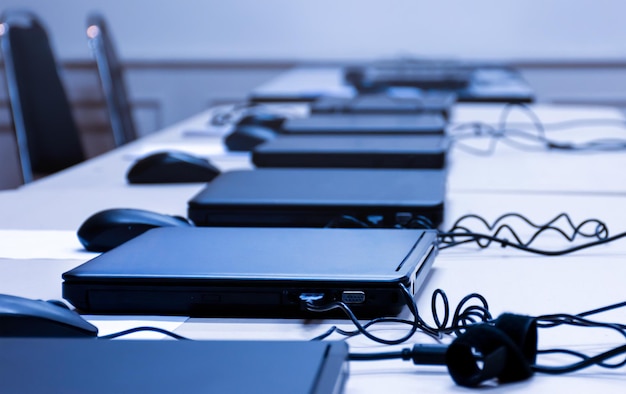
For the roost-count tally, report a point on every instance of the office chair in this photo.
(47, 136)
(112, 80)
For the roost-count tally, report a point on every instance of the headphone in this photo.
(504, 349)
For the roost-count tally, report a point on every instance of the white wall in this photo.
(343, 29)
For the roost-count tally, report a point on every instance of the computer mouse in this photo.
(244, 138)
(24, 317)
(269, 120)
(107, 229)
(171, 167)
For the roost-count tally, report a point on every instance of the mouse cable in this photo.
(225, 115)
(463, 316)
(141, 329)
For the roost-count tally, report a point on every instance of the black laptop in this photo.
(62, 365)
(471, 82)
(350, 151)
(420, 76)
(319, 197)
(360, 123)
(435, 102)
(245, 271)
(489, 83)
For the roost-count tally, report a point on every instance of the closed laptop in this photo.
(319, 197)
(359, 123)
(437, 102)
(53, 365)
(246, 271)
(350, 151)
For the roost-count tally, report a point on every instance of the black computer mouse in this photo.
(107, 229)
(244, 138)
(269, 120)
(171, 167)
(24, 317)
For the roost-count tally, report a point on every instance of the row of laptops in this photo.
(384, 169)
(273, 239)
(470, 81)
(369, 131)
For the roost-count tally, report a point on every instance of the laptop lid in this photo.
(53, 365)
(358, 123)
(380, 103)
(415, 75)
(246, 271)
(349, 151)
(315, 197)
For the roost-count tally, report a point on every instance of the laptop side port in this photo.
(353, 297)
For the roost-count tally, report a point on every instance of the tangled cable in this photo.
(231, 114)
(464, 314)
(461, 233)
(581, 320)
(506, 348)
(534, 140)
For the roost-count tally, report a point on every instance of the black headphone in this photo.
(504, 349)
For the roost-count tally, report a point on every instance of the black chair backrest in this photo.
(112, 79)
(47, 136)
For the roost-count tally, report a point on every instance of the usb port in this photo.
(353, 297)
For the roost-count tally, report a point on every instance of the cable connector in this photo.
(559, 145)
(313, 299)
(427, 354)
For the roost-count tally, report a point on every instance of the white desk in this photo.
(540, 185)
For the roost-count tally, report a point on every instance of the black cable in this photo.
(379, 356)
(416, 324)
(477, 237)
(229, 114)
(410, 221)
(567, 124)
(438, 354)
(463, 315)
(232, 114)
(460, 233)
(463, 318)
(145, 328)
(348, 221)
(504, 133)
(580, 355)
(601, 230)
(602, 309)
(597, 360)
(580, 320)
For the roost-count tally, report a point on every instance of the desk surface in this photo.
(539, 184)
